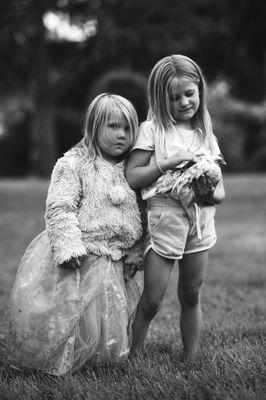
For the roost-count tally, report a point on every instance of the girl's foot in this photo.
(189, 358)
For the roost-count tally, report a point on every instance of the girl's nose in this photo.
(184, 101)
(121, 133)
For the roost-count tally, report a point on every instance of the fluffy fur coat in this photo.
(90, 208)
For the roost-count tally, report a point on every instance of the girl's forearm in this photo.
(218, 197)
(219, 193)
(140, 177)
(139, 174)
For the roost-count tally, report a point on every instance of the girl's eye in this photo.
(190, 93)
(113, 126)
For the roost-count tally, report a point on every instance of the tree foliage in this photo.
(226, 37)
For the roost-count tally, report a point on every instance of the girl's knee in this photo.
(190, 298)
(190, 295)
(150, 306)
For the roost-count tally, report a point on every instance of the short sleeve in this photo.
(145, 138)
(215, 150)
(214, 147)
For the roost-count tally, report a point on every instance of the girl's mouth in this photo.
(185, 109)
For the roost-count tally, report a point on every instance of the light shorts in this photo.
(170, 233)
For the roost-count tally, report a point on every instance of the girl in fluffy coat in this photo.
(73, 298)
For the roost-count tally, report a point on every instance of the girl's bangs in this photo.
(171, 87)
(165, 117)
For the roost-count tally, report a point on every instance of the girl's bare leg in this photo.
(156, 276)
(191, 274)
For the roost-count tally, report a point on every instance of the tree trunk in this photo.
(43, 143)
(43, 132)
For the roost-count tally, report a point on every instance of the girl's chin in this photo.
(184, 119)
(116, 157)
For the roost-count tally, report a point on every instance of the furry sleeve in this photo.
(61, 210)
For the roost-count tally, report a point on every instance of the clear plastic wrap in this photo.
(58, 319)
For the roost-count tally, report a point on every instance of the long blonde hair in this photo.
(176, 66)
(98, 112)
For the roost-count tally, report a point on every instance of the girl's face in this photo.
(115, 138)
(184, 99)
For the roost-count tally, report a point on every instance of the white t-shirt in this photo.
(173, 140)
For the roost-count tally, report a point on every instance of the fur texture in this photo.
(80, 216)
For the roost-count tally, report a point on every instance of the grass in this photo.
(232, 359)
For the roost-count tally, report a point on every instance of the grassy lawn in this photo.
(232, 358)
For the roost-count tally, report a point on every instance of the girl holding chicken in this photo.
(175, 162)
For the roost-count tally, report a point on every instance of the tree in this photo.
(31, 63)
(226, 37)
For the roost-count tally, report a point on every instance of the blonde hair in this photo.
(176, 66)
(99, 111)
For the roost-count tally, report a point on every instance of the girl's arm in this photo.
(139, 174)
(61, 219)
(219, 192)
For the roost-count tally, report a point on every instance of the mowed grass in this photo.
(231, 361)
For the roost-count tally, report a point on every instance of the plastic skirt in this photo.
(58, 319)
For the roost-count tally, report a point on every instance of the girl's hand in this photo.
(204, 189)
(129, 271)
(206, 192)
(72, 264)
(181, 156)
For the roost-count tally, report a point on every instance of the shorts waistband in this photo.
(159, 201)
(193, 212)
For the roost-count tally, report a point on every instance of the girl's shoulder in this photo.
(145, 137)
(72, 159)
(147, 129)
(147, 125)
(76, 152)
(212, 143)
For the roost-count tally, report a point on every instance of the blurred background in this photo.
(55, 56)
